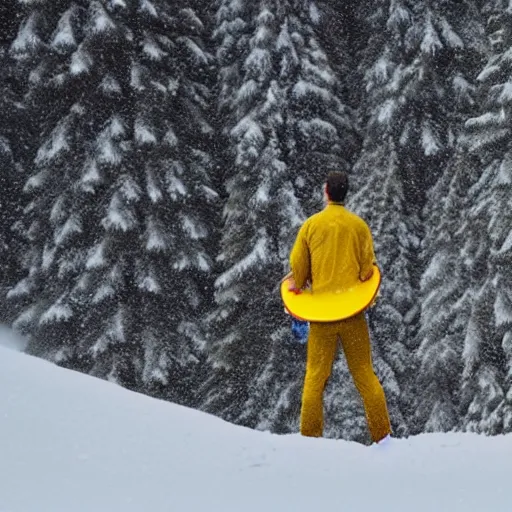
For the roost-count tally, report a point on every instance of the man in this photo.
(333, 251)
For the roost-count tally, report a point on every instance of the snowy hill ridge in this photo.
(73, 443)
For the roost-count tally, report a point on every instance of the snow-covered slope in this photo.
(72, 443)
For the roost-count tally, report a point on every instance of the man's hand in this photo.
(292, 286)
(367, 276)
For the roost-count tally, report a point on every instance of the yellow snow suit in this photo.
(333, 250)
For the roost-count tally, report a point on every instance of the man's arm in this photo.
(300, 263)
(367, 256)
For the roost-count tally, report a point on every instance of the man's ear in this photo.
(326, 194)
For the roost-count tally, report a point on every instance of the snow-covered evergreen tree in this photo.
(486, 394)
(121, 208)
(445, 296)
(286, 125)
(415, 66)
(11, 140)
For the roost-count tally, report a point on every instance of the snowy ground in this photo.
(72, 443)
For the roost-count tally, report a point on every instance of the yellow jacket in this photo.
(333, 250)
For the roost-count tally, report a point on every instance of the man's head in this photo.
(336, 186)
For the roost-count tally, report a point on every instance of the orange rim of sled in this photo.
(330, 306)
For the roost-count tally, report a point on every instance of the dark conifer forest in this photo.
(157, 158)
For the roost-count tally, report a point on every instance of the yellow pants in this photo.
(322, 348)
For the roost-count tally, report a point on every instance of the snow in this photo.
(155, 237)
(431, 43)
(153, 50)
(12, 341)
(506, 94)
(143, 133)
(99, 21)
(64, 36)
(96, 257)
(399, 16)
(56, 313)
(76, 443)
(429, 140)
(314, 13)
(258, 61)
(192, 229)
(109, 85)
(194, 50)
(149, 284)
(386, 111)
(502, 309)
(81, 62)
(119, 216)
(449, 35)
(302, 90)
(55, 145)
(72, 225)
(147, 7)
(27, 37)
(258, 254)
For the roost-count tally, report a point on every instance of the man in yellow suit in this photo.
(333, 251)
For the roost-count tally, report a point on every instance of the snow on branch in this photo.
(155, 236)
(502, 309)
(400, 16)
(119, 216)
(107, 149)
(55, 145)
(193, 230)
(318, 129)
(258, 62)
(304, 90)
(110, 85)
(99, 21)
(56, 313)
(175, 185)
(486, 120)
(314, 13)
(28, 38)
(429, 140)
(64, 37)
(257, 255)
(451, 38)
(117, 3)
(71, 227)
(249, 130)
(81, 61)
(152, 49)
(506, 93)
(148, 7)
(143, 133)
(488, 72)
(96, 258)
(22, 289)
(431, 43)
(194, 51)
(147, 282)
(91, 175)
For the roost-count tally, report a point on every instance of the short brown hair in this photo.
(337, 186)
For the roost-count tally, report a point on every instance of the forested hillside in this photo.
(157, 158)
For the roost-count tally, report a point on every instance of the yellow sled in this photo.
(330, 306)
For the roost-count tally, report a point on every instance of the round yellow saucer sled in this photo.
(330, 306)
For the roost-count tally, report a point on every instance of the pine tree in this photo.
(415, 63)
(486, 391)
(120, 199)
(444, 295)
(11, 134)
(281, 115)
